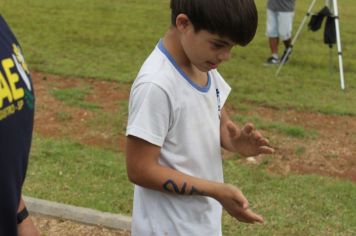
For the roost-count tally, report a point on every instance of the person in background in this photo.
(177, 123)
(16, 125)
(280, 15)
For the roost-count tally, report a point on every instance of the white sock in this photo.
(275, 55)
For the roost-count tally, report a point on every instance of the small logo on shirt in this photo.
(218, 101)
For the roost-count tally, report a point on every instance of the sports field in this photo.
(84, 54)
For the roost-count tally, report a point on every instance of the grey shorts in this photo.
(279, 24)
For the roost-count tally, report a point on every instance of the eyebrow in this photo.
(225, 42)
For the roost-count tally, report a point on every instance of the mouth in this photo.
(212, 65)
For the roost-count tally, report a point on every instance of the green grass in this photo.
(306, 82)
(293, 205)
(74, 97)
(110, 40)
(109, 121)
(65, 171)
(87, 38)
(280, 127)
(68, 172)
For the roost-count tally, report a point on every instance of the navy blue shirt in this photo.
(16, 125)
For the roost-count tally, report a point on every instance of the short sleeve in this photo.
(149, 113)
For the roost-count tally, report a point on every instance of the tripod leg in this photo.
(330, 60)
(338, 40)
(289, 50)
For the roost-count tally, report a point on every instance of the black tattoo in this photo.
(195, 191)
(171, 186)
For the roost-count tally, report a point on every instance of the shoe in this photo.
(284, 55)
(272, 61)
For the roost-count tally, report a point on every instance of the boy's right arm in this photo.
(144, 170)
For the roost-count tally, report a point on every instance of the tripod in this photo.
(333, 5)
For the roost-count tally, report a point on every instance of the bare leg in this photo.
(287, 43)
(273, 44)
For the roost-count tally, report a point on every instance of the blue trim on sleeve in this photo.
(203, 89)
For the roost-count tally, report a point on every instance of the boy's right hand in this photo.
(236, 204)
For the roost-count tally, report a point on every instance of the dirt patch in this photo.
(59, 227)
(55, 118)
(331, 152)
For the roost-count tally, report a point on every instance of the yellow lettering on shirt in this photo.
(5, 91)
(13, 78)
(19, 105)
(7, 111)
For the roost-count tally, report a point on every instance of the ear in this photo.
(183, 22)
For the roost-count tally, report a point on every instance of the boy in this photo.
(177, 123)
(16, 124)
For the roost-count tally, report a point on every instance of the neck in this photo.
(172, 43)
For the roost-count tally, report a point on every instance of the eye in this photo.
(217, 45)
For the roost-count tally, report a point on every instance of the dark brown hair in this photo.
(234, 19)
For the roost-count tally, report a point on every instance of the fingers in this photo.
(235, 194)
(233, 130)
(258, 218)
(236, 204)
(264, 147)
(248, 216)
(263, 141)
(242, 200)
(248, 141)
(266, 150)
(248, 128)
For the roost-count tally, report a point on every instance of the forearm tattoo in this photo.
(171, 186)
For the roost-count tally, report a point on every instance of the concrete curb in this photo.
(79, 214)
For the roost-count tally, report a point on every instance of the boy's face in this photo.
(203, 49)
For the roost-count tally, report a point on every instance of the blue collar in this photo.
(203, 89)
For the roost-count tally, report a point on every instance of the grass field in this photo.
(108, 40)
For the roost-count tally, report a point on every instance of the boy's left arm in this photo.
(246, 141)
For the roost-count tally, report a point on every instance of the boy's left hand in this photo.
(248, 141)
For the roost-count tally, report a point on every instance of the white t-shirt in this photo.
(168, 110)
